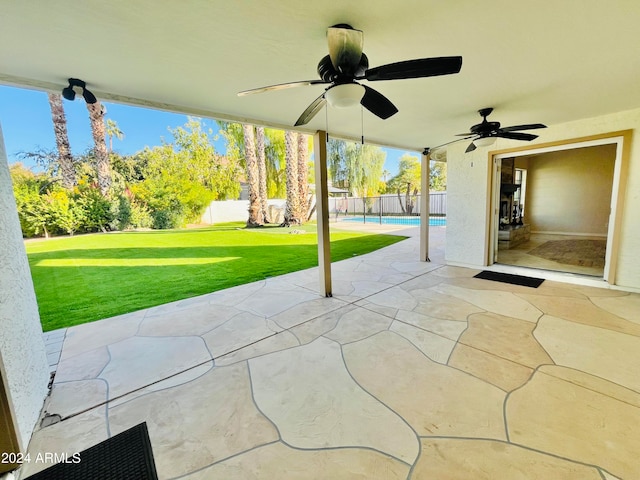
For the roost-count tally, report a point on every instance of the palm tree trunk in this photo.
(65, 160)
(262, 173)
(290, 152)
(103, 168)
(303, 173)
(255, 210)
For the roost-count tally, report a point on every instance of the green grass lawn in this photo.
(89, 277)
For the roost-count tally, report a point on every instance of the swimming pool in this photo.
(388, 220)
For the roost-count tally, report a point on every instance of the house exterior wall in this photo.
(468, 187)
(22, 353)
(467, 194)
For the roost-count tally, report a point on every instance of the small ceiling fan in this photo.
(346, 64)
(484, 133)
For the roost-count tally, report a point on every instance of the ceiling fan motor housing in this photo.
(328, 73)
(485, 128)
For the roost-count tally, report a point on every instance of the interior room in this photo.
(555, 209)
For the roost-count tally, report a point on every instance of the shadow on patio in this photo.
(411, 370)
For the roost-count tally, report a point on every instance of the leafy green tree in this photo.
(27, 188)
(365, 164)
(44, 206)
(275, 163)
(131, 168)
(438, 176)
(179, 180)
(92, 208)
(336, 163)
(407, 180)
(274, 152)
(356, 167)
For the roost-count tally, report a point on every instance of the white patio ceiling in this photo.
(536, 61)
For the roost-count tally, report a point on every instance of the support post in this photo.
(322, 211)
(424, 206)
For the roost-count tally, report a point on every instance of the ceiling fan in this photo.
(485, 133)
(346, 64)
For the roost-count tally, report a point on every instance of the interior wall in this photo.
(23, 359)
(469, 175)
(569, 192)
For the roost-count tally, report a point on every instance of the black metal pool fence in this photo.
(389, 209)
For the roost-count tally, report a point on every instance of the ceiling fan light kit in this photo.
(485, 142)
(345, 95)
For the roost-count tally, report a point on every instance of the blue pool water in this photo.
(410, 221)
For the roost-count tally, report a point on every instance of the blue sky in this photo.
(26, 125)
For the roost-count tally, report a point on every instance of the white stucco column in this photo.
(424, 206)
(322, 211)
(23, 359)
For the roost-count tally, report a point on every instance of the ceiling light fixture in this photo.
(344, 95)
(79, 87)
(485, 141)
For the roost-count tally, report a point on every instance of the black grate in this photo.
(127, 455)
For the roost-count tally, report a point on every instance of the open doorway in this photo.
(553, 207)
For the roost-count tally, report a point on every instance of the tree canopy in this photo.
(356, 167)
(165, 186)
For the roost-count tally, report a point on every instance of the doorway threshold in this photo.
(563, 277)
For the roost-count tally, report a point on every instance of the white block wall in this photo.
(23, 360)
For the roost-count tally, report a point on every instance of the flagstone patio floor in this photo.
(411, 370)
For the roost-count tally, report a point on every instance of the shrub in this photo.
(140, 215)
(96, 209)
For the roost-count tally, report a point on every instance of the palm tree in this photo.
(113, 130)
(255, 209)
(262, 173)
(103, 168)
(291, 158)
(303, 173)
(65, 160)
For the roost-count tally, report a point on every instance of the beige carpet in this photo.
(587, 253)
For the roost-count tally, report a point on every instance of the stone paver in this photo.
(412, 370)
(599, 428)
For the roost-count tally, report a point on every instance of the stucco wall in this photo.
(22, 354)
(467, 241)
(467, 177)
(570, 191)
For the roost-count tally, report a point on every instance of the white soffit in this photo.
(539, 61)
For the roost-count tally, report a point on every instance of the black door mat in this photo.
(127, 455)
(510, 278)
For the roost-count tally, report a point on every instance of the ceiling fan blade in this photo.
(280, 86)
(470, 148)
(516, 136)
(311, 111)
(345, 47)
(464, 134)
(377, 103)
(452, 141)
(422, 67)
(530, 126)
